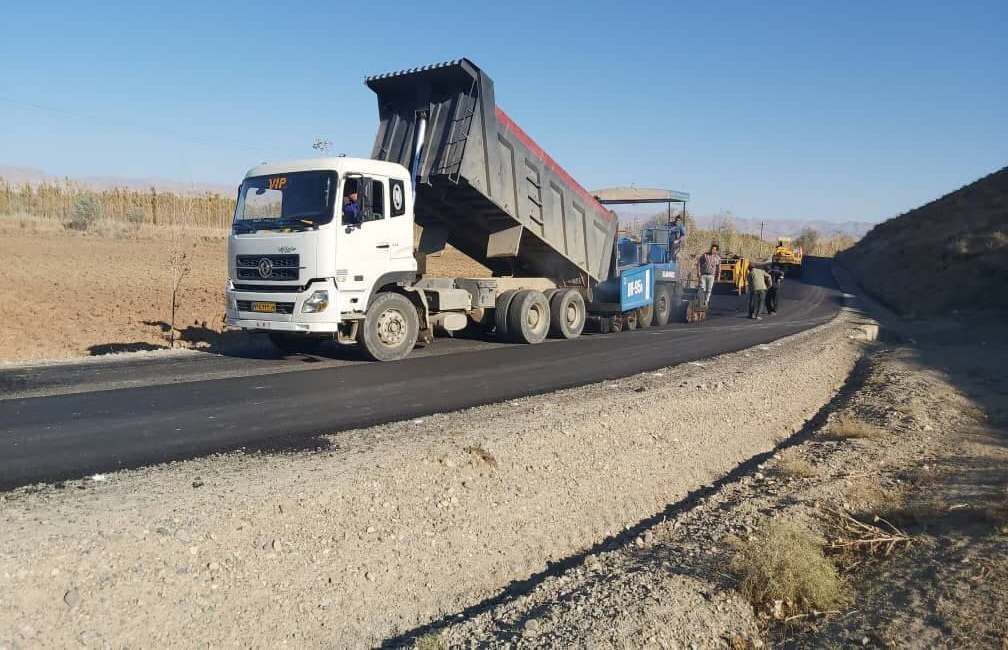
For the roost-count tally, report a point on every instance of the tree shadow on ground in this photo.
(116, 348)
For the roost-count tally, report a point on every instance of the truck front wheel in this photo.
(390, 328)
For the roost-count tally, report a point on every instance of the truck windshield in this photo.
(289, 200)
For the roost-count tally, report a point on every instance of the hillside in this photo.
(951, 254)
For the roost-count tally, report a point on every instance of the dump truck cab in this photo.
(324, 248)
(313, 240)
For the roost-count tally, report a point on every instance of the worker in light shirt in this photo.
(707, 268)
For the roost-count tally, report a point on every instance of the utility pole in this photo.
(761, 230)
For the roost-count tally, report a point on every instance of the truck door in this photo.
(365, 240)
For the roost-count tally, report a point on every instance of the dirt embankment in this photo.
(951, 254)
(918, 437)
(81, 294)
(386, 530)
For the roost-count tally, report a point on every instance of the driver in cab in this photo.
(351, 209)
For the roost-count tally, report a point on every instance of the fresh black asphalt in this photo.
(67, 421)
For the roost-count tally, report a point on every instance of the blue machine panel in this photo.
(637, 287)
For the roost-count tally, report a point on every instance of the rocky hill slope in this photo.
(951, 254)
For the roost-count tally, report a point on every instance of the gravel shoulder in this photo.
(928, 453)
(385, 530)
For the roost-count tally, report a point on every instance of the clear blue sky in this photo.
(837, 110)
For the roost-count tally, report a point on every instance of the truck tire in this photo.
(662, 306)
(645, 316)
(529, 317)
(294, 343)
(501, 306)
(390, 328)
(567, 314)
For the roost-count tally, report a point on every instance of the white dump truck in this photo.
(325, 249)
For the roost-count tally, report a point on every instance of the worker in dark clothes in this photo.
(758, 282)
(676, 236)
(773, 291)
(351, 209)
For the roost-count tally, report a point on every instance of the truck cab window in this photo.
(373, 207)
(351, 202)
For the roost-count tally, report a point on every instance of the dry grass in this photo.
(869, 497)
(483, 455)
(846, 427)
(66, 202)
(429, 641)
(783, 572)
(791, 464)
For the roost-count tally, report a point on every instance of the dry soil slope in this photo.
(949, 254)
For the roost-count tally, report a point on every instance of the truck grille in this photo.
(268, 267)
(270, 288)
(281, 307)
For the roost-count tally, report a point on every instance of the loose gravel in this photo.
(382, 531)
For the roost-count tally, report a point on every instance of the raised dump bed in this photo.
(483, 185)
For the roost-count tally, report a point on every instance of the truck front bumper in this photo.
(289, 315)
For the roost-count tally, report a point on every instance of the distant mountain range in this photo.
(18, 175)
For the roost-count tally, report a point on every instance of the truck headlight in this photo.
(316, 302)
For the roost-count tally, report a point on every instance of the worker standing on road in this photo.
(676, 237)
(773, 291)
(707, 268)
(759, 280)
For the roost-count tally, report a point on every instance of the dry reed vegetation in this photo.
(79, 206)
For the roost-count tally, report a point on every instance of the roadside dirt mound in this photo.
(949, 254)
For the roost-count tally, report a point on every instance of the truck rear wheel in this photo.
(567, 314)
(390, 328)
(501, 306)
(631, 320)
(529, 317)
(662, 306)
(645, 316)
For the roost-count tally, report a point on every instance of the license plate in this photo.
(265, 307)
